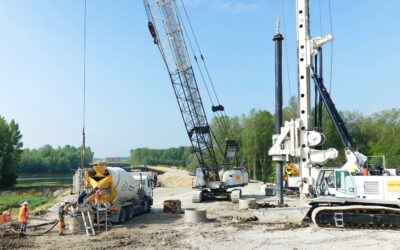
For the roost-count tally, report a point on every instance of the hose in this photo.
(41, 233)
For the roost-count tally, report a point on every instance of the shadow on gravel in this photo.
(156, 216)
(256, 196)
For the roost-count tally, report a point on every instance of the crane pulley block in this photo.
(217, 108)
(153, 32)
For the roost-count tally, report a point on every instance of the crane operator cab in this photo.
(236, 177)
(345, 184)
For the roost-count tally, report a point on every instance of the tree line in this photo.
(375, 135)
(180, 156)
(53, 160)
(15, 160)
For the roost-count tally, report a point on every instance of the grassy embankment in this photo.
(14, 201)
(31, 192)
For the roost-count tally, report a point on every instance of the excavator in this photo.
(213, 179)
(350, 196)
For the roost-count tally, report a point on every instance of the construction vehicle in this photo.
(340, 197)
(212, 179)
(124, 194)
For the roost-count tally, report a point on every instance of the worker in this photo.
(97, 196)
(74, 217)
(365, 170)
(379, 167)
(62, 209)
(81, 196)
(23, 217)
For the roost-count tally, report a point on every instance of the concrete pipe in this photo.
(244, 203)
(194, 215)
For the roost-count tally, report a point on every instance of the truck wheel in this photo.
(142, 207)
(129, 212)
(148, 207)
(122, 216)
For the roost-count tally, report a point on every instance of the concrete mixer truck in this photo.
(123, 193)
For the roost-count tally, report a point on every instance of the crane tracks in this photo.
(357, 216)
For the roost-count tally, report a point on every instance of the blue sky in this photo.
(130, 102)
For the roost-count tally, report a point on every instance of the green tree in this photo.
(10, 152)
(291, 111)
(170, 156)
(258, 129)
(53, 160)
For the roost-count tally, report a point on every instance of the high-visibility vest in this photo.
(22, 217)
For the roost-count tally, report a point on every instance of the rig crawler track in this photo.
(357, 216)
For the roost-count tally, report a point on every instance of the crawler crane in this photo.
(213, 180)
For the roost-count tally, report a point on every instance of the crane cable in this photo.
(226, 124)
(320, 17)
(182, 24)
(150, 17)
(221, 125)
(83, 147)
(220, 119)
(331, 32)
(285, 44)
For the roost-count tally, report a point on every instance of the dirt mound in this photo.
(255, 205)
(10, 239)
(239, 219)
(174, 178)
(143, 240)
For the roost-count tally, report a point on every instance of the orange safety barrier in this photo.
(5, 217)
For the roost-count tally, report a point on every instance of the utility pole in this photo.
(278, 107)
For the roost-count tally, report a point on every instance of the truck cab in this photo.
(145, 181)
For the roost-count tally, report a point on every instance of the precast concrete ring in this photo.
(244, 203)
(194, 215)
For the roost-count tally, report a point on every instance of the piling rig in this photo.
(340, 197)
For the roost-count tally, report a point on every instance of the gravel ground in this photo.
(227, 228)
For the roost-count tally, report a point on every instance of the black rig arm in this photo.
(337, 120)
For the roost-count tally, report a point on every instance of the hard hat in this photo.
(25, 203)
(62, 203)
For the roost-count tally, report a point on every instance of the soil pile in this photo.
(175, 178)
(10, 239)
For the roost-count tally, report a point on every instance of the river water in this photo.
(58, 179)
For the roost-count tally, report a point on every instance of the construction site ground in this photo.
(227, 228)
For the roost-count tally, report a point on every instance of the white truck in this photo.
(123, 193)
